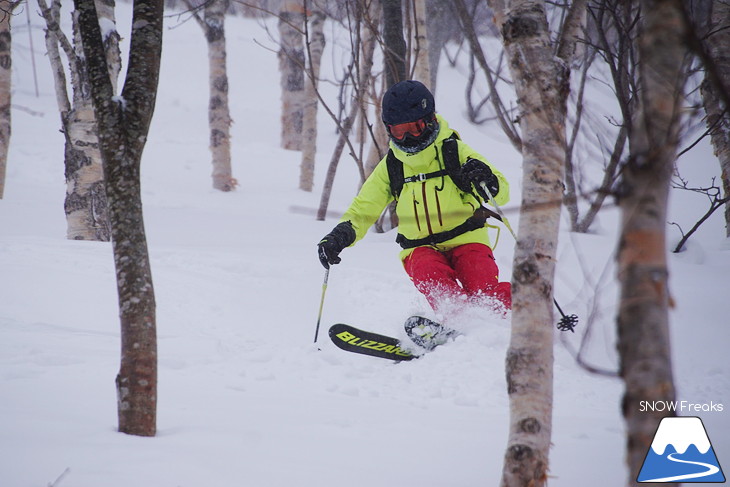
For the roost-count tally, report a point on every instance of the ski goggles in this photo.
(416, 129)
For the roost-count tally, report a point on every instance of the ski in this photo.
(424, 332)
(355, 340)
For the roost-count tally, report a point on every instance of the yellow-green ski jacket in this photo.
(424, 207)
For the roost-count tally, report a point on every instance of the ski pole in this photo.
(566, 322)
(502, 218)
(321, 302)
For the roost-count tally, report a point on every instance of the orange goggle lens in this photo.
(400, 130)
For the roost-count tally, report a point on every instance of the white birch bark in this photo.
(110, 37)
(541, 85)
(6, 11)
(85, 204)
(718, 118)
(316, 42)
(291, 67)
(219, 116)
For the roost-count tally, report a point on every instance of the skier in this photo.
(438, 183)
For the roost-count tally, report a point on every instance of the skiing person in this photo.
(438, 183)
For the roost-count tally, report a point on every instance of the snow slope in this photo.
(245, 397)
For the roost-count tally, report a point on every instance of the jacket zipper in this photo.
(415, 212)
(425, 209)
(436, 190)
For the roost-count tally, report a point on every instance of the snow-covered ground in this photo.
(245, 397)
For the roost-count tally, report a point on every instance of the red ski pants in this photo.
(463, 272)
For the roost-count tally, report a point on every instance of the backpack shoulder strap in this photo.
(395, 173)
(450, 151)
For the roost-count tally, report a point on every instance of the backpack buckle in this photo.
(421, 177)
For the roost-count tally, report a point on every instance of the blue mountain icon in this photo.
(681, 451)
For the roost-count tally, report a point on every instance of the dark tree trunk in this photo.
(395, 44)
(123, 127)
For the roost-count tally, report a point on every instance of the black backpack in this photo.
(452, 168)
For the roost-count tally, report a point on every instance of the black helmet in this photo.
(409, 102)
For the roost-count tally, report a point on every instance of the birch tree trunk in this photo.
(718, 117)
(291, 67)
(105, 9)
(123, 127)
(219, 117)
(439, 18)
(86, 204)
(541, 85)
(422, 70)
(643, 321)
(315, 46)
(6, 38)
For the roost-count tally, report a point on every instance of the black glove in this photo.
(476, 172)
(333, 243)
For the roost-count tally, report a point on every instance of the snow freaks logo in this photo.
(681, 451)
